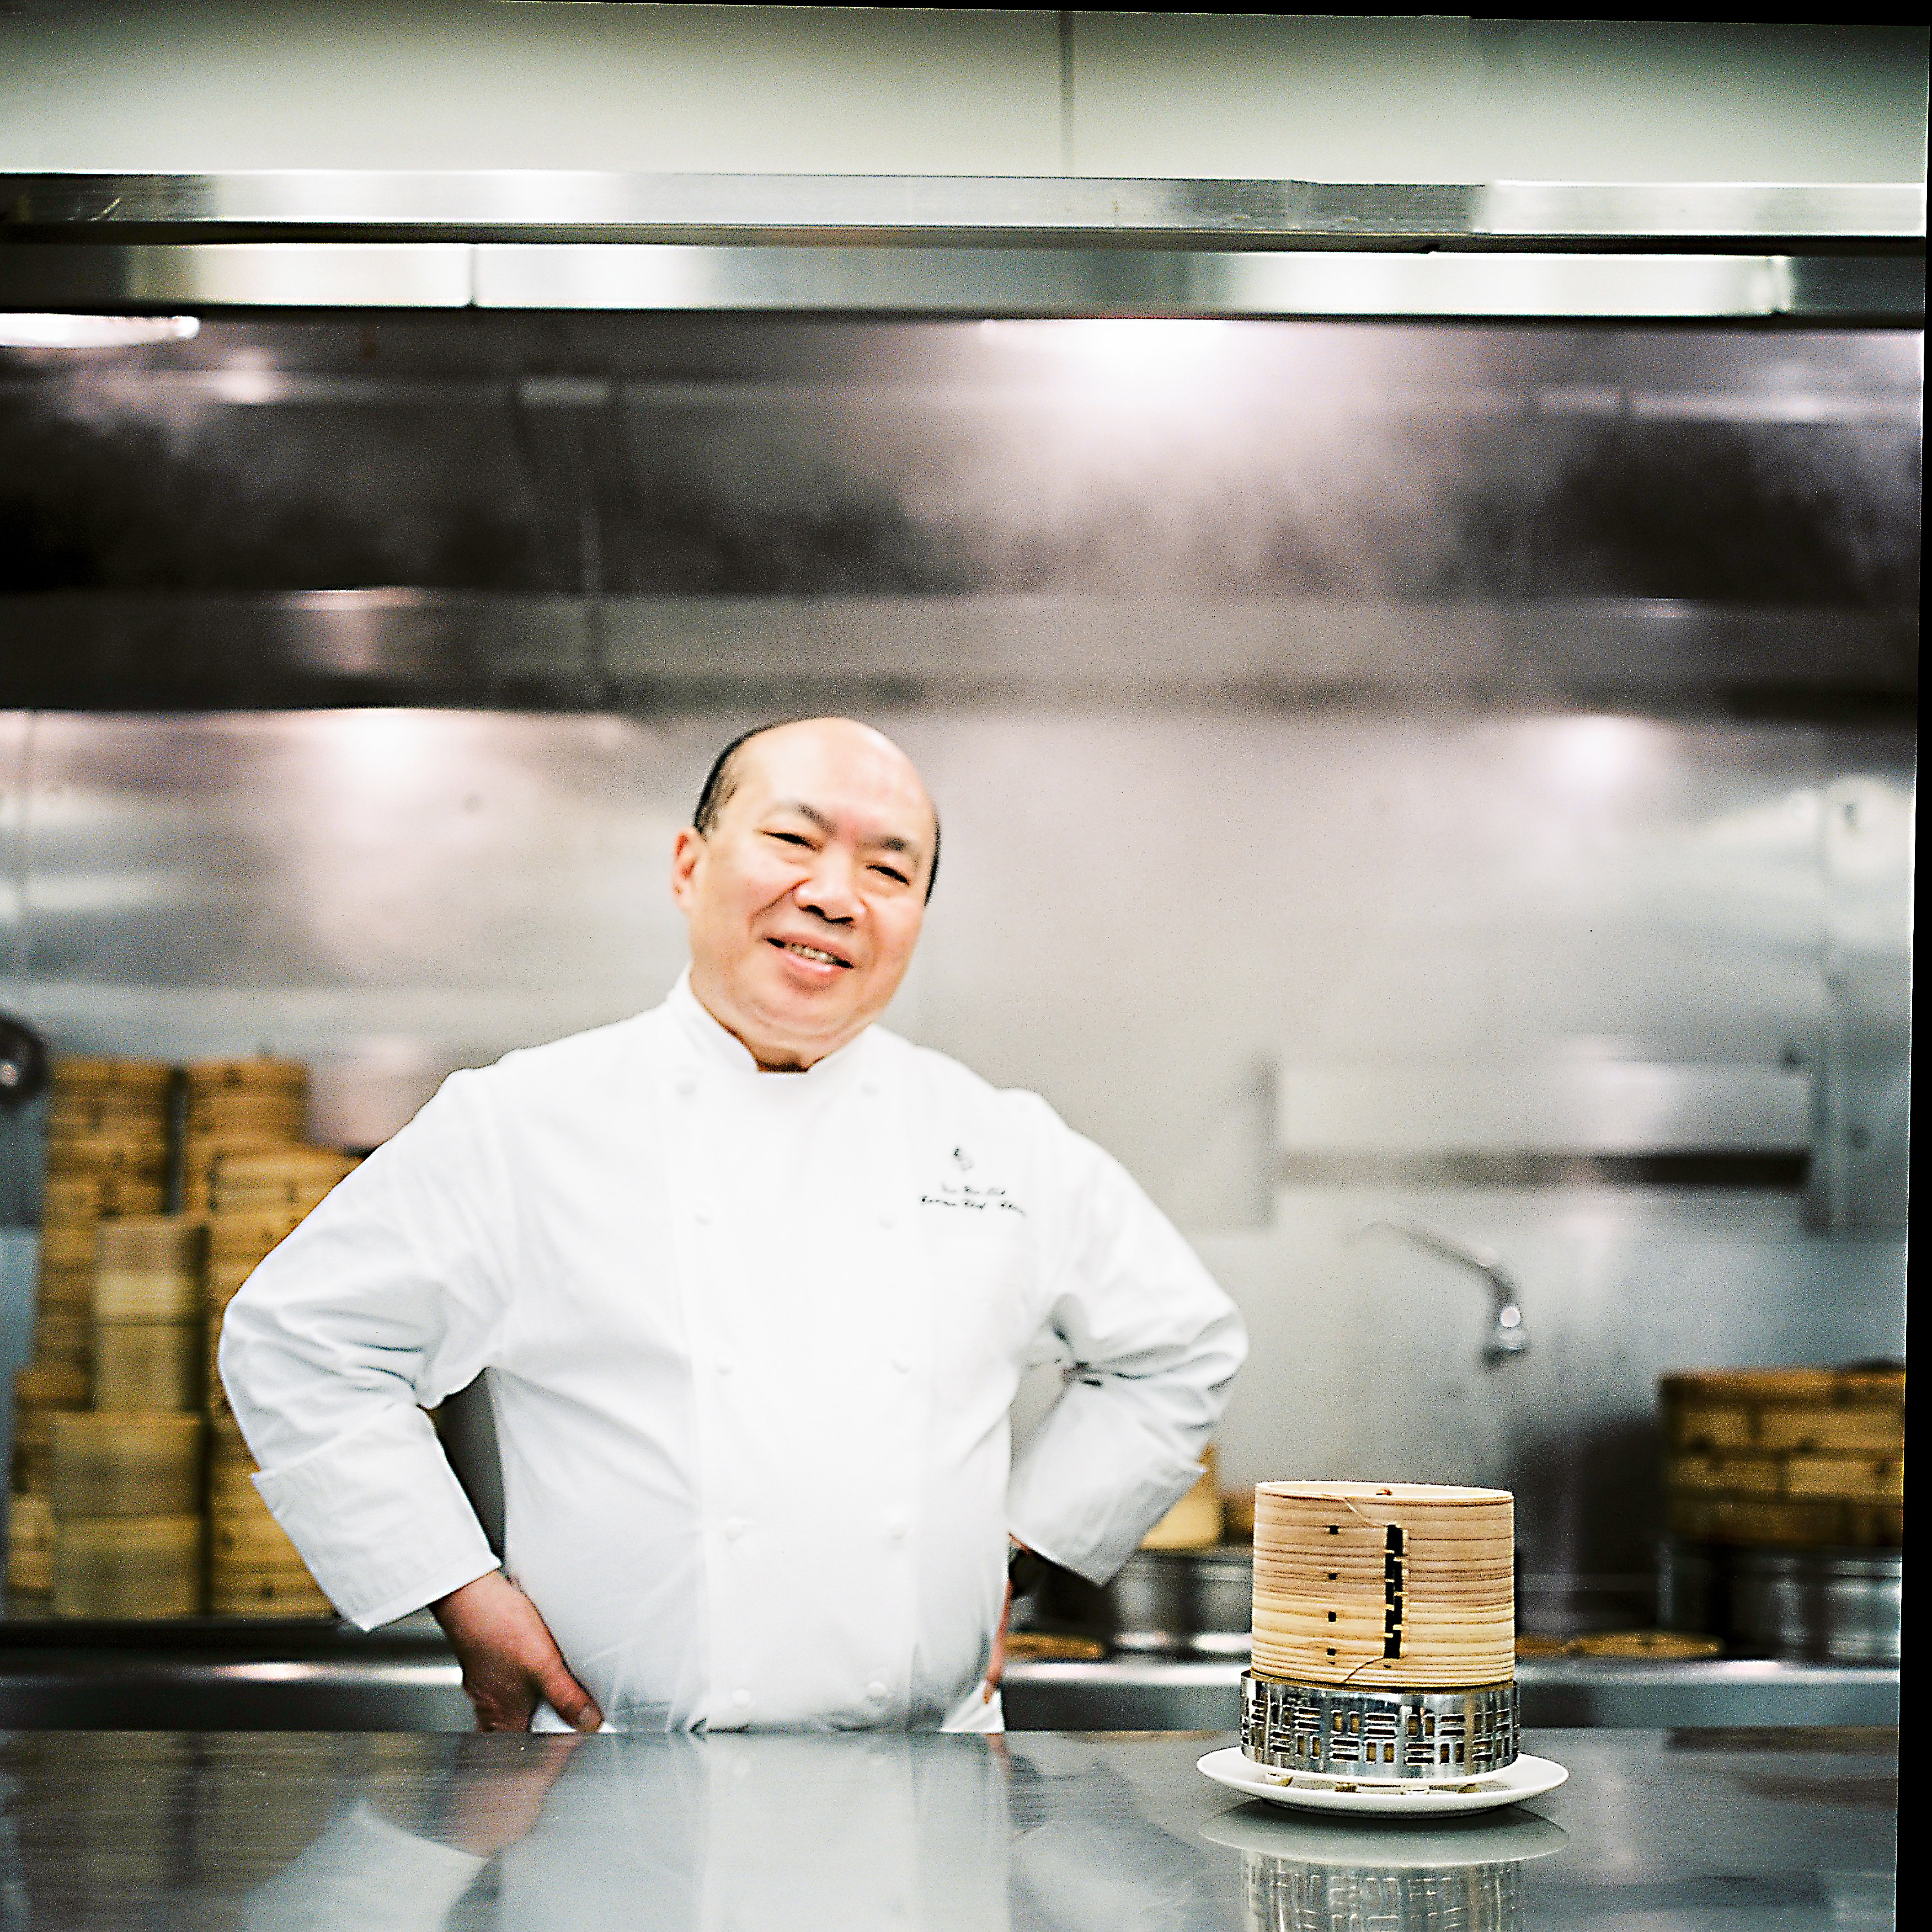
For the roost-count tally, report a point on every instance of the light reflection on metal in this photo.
(94, 331)
(480, 204)
(91, 650)
(924, 280)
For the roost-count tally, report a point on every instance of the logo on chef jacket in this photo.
(964, 1196)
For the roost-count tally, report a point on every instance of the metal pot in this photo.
(1173, 1601)
(1817, 1606)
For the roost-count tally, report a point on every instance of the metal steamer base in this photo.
(1420, 1735)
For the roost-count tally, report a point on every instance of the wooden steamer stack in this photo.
(1795, 1459)
(250, 1171)
(1384, 1619)
(107, 1156)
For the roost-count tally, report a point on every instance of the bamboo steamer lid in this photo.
(107, 1464)
(1384, 1586)
(148, 1365)
(135, 1566)
(72, 1070)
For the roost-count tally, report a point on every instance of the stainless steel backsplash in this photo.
(1172, 922)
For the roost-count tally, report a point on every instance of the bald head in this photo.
(803, 876)
(721, 780)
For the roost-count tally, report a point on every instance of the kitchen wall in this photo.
(1162, 918)
(501, 84)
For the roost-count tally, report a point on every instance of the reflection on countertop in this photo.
(1042, 1833)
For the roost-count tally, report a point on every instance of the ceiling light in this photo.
(94, 332)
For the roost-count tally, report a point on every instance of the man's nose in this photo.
(831, 890)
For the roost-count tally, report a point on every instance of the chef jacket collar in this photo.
(718, 1047)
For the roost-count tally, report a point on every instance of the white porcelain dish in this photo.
(1307, 1791)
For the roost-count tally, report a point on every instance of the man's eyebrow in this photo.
(892, 842)
(804, 811)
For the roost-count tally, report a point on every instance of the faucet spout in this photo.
(1508, 1335)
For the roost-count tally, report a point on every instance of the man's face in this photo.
(805, 901)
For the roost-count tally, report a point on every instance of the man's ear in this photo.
(685, 856)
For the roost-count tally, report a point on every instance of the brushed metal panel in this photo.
(1021, 281)
(481, 203)
(247, 274)
(1605, 1107)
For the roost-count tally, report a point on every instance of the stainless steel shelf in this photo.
(327, 1680)
(843, 209)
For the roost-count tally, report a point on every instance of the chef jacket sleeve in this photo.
(1154, 1343)
(389, 1297)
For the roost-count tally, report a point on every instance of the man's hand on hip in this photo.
(511, 1663)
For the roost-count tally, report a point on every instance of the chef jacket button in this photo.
(897, 1525)
(887, 1218)
(734, 1527)
(723, 1365)
(704, 1215)
(869, 1088)
(903, 1363)
(875, 1690)
(742, 1698)
(686, 1083)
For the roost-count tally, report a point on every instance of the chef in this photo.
(750, 1283)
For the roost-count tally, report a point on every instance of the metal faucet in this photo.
(1507, 1335)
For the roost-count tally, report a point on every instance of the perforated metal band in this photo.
(1436, 1735)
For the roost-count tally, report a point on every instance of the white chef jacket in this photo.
(750, 1341)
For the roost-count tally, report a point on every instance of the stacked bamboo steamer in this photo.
(257, 1195)
(126, 1477)
(1786, 1458)
(127, 1511)
(1384, 1629)
(107, 1156)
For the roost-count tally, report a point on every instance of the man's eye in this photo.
(898, 878)
(792, 838)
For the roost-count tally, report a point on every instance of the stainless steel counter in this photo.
(281, 1677)
(1044, 1833)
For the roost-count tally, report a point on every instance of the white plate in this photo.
(1307, 1791)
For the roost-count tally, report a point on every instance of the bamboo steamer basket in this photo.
(148, 1365)
(131, 1567)
(1332, 1607)
(30, 1545)
(148, 1269)
(259, 1073)
(1790, 1458)
(119, 1465)
(77, 1072)
(67, 1287)
(254, 1569)
(49, 1385)
(64, 1335)
(70, 1247)
(71, 1197)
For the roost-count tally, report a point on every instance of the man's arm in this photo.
(1155, 1344)
(388, 1297)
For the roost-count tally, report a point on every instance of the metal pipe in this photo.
(1508, 1336)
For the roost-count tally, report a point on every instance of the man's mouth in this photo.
(817, 954)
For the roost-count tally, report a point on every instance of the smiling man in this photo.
(750, 1283)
